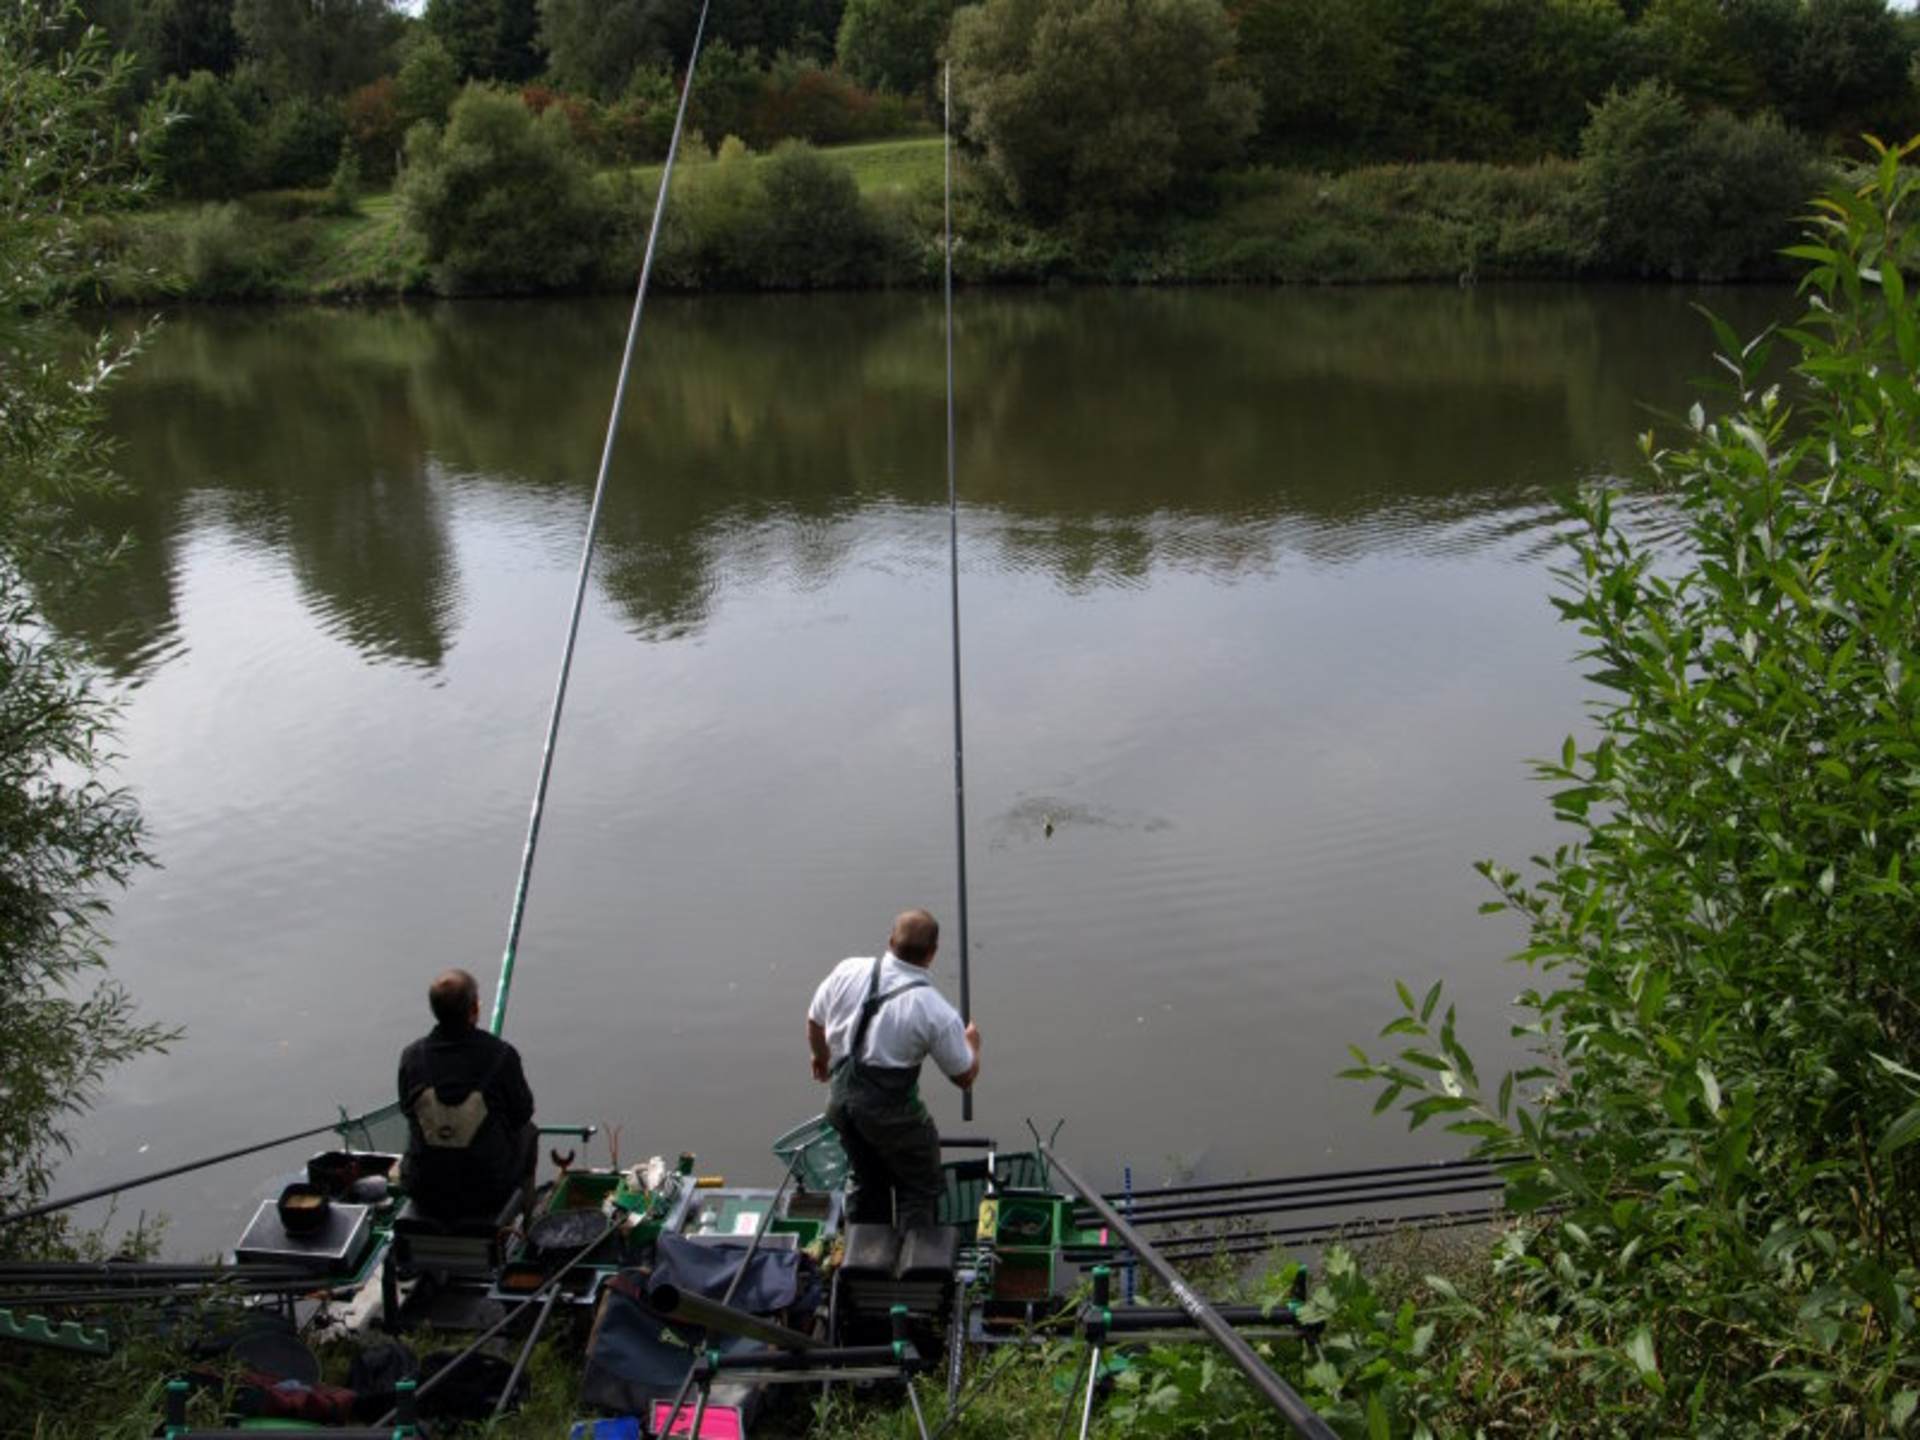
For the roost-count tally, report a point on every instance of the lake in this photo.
(1255, 599)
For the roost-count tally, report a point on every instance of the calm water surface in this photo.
(1255, 603)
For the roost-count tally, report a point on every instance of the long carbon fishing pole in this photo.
(518, 913)
(953, 571)
(1325, 1198)
(1417, 1170)
(102, 1191)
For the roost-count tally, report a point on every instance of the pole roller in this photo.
(1260, 1375)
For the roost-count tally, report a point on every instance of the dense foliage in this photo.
(193, 139)
(893, 44)
(1512, 79)
(794, 221)
(1722, 1112)
(1090, 109)
(65, 834)
(1674, 196)
(501, 198)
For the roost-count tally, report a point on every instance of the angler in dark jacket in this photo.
(470, 1133)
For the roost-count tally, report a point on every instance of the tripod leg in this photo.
(1093, 1384)
(913, 1397)
(1073, 1389)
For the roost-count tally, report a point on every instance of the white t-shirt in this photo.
(906, 1030)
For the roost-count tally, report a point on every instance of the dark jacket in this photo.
(454, 1061)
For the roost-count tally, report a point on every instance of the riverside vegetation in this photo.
(1261, 140)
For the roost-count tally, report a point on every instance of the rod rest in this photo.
(901, 1353)
(1098, 1319)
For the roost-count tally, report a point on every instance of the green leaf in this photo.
(1426, 1005)
(1902, 1408)
(1709, 1086)
(1902, 1133)
(1639, 1348)
(1379, 1427)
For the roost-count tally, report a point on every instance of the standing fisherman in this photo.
(871, 1024)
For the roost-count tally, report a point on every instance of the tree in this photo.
(1094, 109)
(66, 836)
(178, 37)
(428, 81)
(727, 93)
(1851, 69)
(374, 126)
(502, 200)
(594, 46)
(1673, 196)
(316, 48)
(194, 140)
(894, 44)
(1325, 69)
(488, 39)
(301, 144)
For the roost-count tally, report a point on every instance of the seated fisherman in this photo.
(470, 1136)
(871, 1023)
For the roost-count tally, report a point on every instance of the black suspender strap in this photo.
(870, 1007)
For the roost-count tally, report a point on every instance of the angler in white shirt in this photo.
(871, 1024)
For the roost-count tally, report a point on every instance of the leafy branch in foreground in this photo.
(65, 833)
(1724, 1010)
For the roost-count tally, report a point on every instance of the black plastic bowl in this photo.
(303, 1209)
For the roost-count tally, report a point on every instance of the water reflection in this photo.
(1102, 435)
(1257, 629)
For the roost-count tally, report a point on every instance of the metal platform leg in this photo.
(913, 1397)
(1093, 1384)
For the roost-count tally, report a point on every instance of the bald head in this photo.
(455, 998)
(916, 935)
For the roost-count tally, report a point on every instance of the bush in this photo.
(343, 191)
(193, 139)
(500, 200)
(1715, 1142)
(1087, 110)
(375, 126)
(793, 220)
(302, 142)
(1674, 196)
(226, 252)
(803, 102)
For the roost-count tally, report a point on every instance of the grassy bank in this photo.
(1432, 222)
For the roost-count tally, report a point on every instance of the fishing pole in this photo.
(518, 912)
(953, 572)
(102, 1191)
(1419, 1168)
(1311, 1198)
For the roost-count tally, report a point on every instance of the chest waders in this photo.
(889, 1138)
